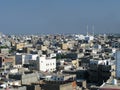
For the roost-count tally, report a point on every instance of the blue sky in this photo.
(59, 16)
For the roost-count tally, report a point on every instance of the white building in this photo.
(101, 62)
(46, 64)
(79, 37)
(52, 55)
(89, 38)
(60, 77)
(84, 37)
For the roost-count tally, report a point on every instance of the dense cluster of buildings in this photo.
(59, 62)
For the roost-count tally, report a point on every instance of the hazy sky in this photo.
(59, 16)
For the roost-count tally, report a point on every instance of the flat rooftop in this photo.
(111, 84)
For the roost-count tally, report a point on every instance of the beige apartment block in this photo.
(19, 46)
(64, 46)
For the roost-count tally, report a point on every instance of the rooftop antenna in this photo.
(87, 30)
(93, 30)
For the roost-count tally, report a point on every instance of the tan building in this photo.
(53, 85)
(19, 46)
(13, 57)
(7, 61)
(75, 63)
(64, 46)
(43, 48)
(28, 49)
(12, 42)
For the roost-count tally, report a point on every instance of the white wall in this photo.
(46, 64)
(103, 62)
(14, 70)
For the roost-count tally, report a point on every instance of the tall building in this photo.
(118, 64)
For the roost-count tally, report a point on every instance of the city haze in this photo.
(63, 16)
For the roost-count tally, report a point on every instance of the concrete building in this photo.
(26, 78)
(24, 58)
(4, 50)
(14, 88)
(100, 71)
(53, 85)
(46, 64)
(60, 77)
(29, 78)
(111, 84)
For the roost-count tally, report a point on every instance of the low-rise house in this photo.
(6, 61)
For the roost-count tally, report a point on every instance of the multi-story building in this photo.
(6, 61)
(46, 64)
(100, 71)
(24, 58)
(19, 46)
(4, 50)
(64, 46)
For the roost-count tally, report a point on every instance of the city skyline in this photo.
(64, 16)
